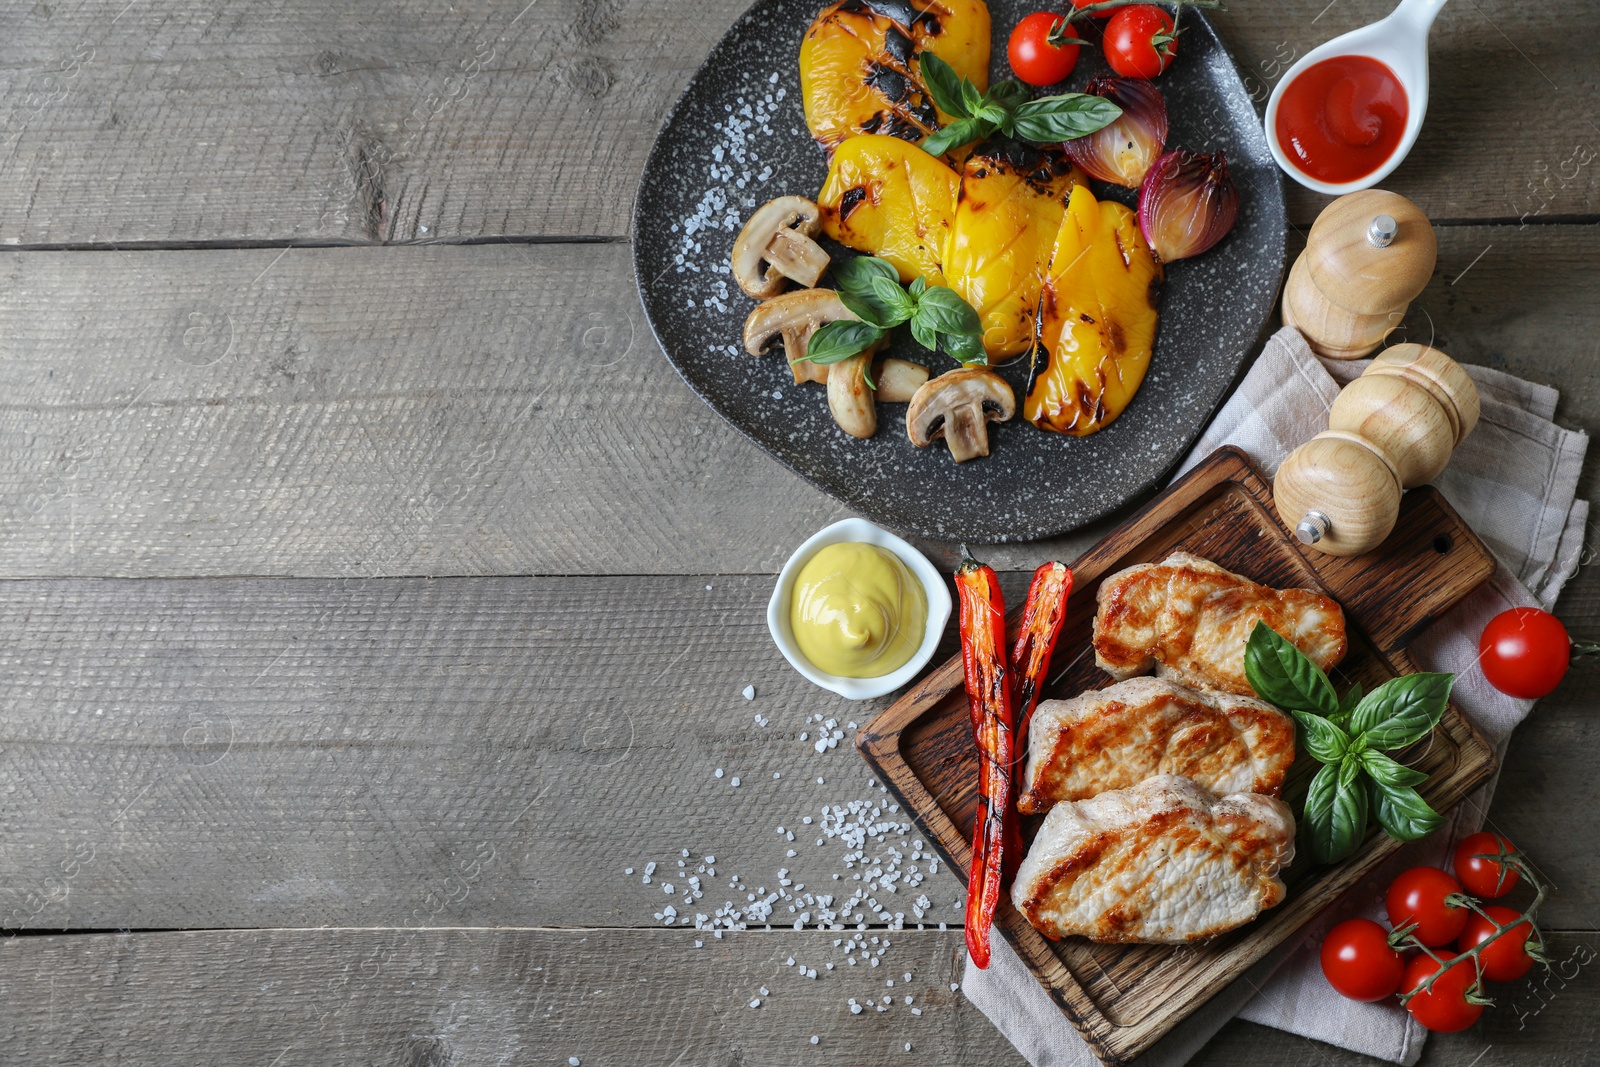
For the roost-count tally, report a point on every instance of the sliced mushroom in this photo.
(898, 380)
(776, 244)
(795, 316)
(958, 406)
(850, 397)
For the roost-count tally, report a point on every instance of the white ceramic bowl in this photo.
(932, 585)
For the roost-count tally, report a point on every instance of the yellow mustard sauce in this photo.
(857, 611)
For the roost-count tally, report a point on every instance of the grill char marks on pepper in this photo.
(1009, 210)
(860, 70)
(1097, 319)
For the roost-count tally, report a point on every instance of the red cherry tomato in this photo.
(1506, 958)
(1139, 41)
(1524, 652)
(1480, 876)
(1443, 1008)
(1358, 962)
(1033, 57)
(1418, 896)
(1080, 4)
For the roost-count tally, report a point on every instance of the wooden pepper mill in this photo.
(1367, 257)
(1391, 429)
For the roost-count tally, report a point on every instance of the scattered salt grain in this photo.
(815, 1040)
(717, 773)
(736, 781)
(749, 690)
(756, 1003)
(573, 1061)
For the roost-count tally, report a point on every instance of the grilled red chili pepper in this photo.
(1042, 617)
(1037, 634)
(988, 677)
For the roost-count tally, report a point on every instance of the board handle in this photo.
(1423, 568)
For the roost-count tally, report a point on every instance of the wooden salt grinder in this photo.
(1367, 257)
(1391, 429)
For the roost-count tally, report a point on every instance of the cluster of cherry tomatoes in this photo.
(1428, 910)
(1139, 42)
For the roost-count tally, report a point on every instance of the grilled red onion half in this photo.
(1122, 152)
(1187, 204)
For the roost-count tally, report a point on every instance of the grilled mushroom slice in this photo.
(795, 316)
(958, 406)
(898, 379)
(850, 397)
(776, 244)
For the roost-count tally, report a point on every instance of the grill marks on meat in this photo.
(1163, 862)
(1114, 738)
(1189, 619)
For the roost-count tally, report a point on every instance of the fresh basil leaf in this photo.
(869, 309)
(919, 285)
(965, 349)
(958, 133)
(1335, 819)
(1349, 769)
(1008, 125)
(944, 85)
(1349, 701)
(1064, 117)
(855, 275)
(1283, 675)
(1387, 772)
(837, 341)
(926, 335)
(1008, 95)
(1325, 741)
(992, 113)
(1401, 710)
(943, 309)
(1402, 812)
(889, 295)
(971, 98)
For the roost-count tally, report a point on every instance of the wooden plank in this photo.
(427, 998)
(484, 410)
(305, 998)
(409, 121)
(486, 752)
(249, 752)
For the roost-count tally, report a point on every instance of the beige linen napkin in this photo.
(1514, 481)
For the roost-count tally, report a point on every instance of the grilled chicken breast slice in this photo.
(1189, 619)
(1164, 862)
(1115, 738)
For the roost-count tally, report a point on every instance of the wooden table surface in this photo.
(378, 595)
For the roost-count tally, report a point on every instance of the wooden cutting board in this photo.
(1122, 998)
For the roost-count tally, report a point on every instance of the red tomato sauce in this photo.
(1341, 119)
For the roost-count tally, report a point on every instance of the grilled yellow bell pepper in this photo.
(859, 71)
(888, 198)
(1098, 316)
(1007, 216)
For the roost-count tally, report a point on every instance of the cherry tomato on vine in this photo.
(1480, 876)
(1034, 57)
(1524, 652)
(1358, 962)
(1139, 41)
(1444, 1007)
(1419, 896)
(1506, 958)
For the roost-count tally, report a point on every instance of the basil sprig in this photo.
(1349, 737)
(1007, 108)
(871, 289)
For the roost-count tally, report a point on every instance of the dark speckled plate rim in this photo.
(1129, 498)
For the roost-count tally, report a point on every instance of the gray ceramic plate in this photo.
(737, 138)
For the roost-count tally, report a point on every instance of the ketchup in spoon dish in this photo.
(1341, 119)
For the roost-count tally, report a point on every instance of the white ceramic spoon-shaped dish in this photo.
(1400, 42)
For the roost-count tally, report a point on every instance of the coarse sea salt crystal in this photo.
(749, 692)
